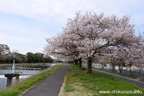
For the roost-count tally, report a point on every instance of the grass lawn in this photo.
(82, 84)
(23, 86)
(76, 68)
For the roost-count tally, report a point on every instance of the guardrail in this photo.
(24, 68)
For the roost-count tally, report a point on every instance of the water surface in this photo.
(24, 74)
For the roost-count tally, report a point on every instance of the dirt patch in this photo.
(78, 90)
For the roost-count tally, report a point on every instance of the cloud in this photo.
(61, 9)
(26, 34)
(22, 37)
(27, 23)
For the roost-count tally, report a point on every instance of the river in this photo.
(24, 74)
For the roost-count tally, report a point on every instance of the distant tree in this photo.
(134, 56)
(2, 59)
(30, 57)
(4, 49)
(38, 57)
(4, 52)
(20, 58)
(6, 56)
(48, 59)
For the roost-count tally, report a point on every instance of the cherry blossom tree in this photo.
(90, 34)
(63, 47)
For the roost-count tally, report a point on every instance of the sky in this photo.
(25, 24)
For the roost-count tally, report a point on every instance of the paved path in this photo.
(128, 80)
(51, 85)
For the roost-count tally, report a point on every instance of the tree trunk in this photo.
(76, 62)
(80, 63)
(113, 68)
(119, 68)
(130, 71)
(89, 65)
(102, 66)
(141, 74)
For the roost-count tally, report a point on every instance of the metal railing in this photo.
(24, 68)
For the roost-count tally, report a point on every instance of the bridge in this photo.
(21, 70)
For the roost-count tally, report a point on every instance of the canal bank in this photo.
(22, 86)
(24, 71)
(51, 85)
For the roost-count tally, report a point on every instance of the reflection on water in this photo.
(3, 80)
(24, 74)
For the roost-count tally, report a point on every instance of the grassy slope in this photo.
(82, 84)
(21, 87)
(122, 74)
